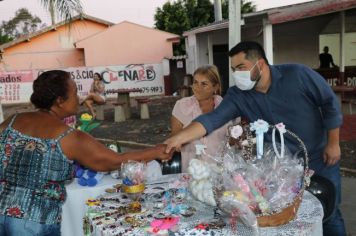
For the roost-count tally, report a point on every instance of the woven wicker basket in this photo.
(283, 217)
(287, 213)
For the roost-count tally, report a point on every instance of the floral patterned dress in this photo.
(32, 176)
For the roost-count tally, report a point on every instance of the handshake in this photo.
(162, 155)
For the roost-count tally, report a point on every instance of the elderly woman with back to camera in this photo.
(206, 97)
(37, 151)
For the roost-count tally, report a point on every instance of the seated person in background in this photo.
(37, 153)
(96, 94)
(206, 97)
(326, 59)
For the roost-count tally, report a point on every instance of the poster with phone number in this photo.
(16, 86)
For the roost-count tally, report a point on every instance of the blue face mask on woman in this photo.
(243, 79)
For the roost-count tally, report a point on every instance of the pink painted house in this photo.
(91, 42)
(51, 47)
(127, 43)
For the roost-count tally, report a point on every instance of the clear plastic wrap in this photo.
(133, 173)
(257, 174)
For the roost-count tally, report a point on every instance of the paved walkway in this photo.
(348, 205)
(348, 128)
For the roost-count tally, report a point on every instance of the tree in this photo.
(183, 15)
(26, 23)
(246, 7)
(65, 9)
(22, 23)
(173, 18)
(200, 12)
(4, 38)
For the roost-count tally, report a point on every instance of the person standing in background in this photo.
(326, 59)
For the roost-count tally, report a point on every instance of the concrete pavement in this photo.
(348, 204)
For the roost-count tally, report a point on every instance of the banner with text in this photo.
(148, 78)
(16, 86)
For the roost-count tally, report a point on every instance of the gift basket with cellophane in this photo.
(256, 177)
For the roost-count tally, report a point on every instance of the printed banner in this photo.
(16, 87)
(148, 78)
(349, 81)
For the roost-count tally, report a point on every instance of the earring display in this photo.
(251, 185)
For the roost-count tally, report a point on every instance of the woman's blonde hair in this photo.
(212, 73)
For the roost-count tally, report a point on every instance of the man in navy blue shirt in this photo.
(291, 93)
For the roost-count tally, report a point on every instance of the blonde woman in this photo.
(206, 97)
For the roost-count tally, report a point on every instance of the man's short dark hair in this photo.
(253, 50)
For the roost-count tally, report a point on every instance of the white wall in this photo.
(293, 42)
(190, 47)
(203, 51)
(220, 37)
(217, 37)
(333, 26)
(333, 42)
(297, 42)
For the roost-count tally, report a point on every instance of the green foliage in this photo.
(22, 23)
(4, 38)
(172, 17)
(182, 15)
(200, 12)
(247, 7)
(65, 9)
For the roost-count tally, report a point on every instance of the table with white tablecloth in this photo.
(308, 220)
(74, 207)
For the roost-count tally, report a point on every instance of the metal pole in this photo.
(234, 22)
(217, 10)
(342, 48)
(268, 40)
(234, 28)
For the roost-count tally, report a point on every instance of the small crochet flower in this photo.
(86, 117)
(281, 128)
(236, 131)
(260, 126)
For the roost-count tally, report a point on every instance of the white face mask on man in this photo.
(243, 79)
